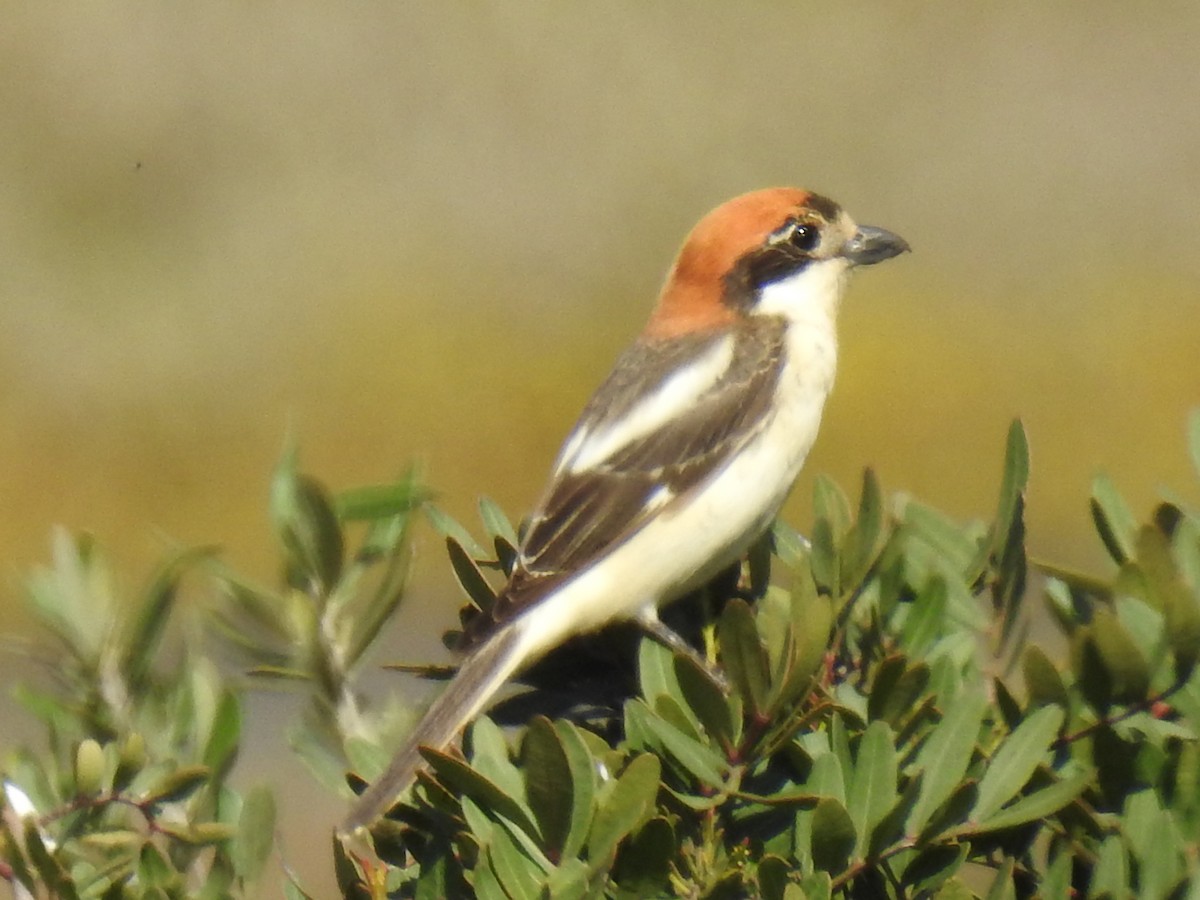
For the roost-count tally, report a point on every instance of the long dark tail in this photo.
(480, 676)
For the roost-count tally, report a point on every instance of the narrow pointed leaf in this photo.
(304, 520)
(946, 754)
(582, 767)
(1114, 521)
(381, 501)
(255, 833)
(624, 805)
(1037, 805)
(862, 540)
(706, 702)
(519, 875)
(1012, 486)
(469, 576)
(496, 522)
(696, 758)
(549, 787)
(146, 628)
(452, 529)
(830, 503)
(872, 790)
(457, 775)
(1013, 764)
(743, 655)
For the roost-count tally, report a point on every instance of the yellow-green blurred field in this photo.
(403, 232)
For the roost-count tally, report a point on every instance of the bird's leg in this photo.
(650, 623)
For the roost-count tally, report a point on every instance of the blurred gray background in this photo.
(406, 231)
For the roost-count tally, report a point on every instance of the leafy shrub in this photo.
(875, 723)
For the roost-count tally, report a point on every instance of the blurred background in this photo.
(400, 231)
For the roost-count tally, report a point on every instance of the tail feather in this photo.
(480, 676)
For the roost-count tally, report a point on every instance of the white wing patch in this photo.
(587, 449)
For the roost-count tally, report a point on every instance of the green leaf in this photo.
(623, 805)
(130, 761)
(833, 836)
(1056, 879)
(451, 529)
(926, 617)
(306, 525)
(954, 890)
(89, 767)
(696, 758)
(520, 876)
(1128, 671)
(154, 871)
(890, 828)
(469, 576)
(1013, 484)
(644, 864)
(1013, 764)
(1114, 521)
(933, 867)
(861, 545)
(381, 501)
(706, 702)
(224, 733)
(582, 767)
(569, 881)
(790, 546)
(1156, 843)
(896, 689)
(1002, 885)
(949, 547)
(549, 785)
(822, 558)
(51, 872)
(177, 785)
(256, 833)
(816, 886)
(490, 756)
(496, 522)
(774, 874)
(1111, 874)
(146, 628)
(830, 503)
(797, 624)
(1037, 805)
(1042, 679)
(1176, 600)
(743, 655)
(827, 777)
(463, 779)
(944, 758)
(389, 592)
(1008, 535)
(872, 791)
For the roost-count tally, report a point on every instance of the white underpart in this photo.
(588, 449)
(688, 542)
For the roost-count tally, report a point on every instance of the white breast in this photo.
(709, 528)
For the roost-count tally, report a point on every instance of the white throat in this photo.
(810, 297)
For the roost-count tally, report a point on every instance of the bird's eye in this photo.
(805, 237)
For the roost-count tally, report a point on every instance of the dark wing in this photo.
(586, 512)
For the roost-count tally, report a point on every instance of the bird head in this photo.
(744, 257)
